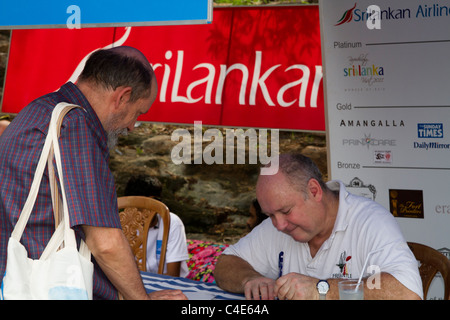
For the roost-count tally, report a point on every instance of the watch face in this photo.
(323, 286)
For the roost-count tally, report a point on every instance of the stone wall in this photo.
(212, 200)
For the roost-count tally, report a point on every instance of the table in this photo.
(194, 290)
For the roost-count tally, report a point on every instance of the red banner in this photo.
(251, 67)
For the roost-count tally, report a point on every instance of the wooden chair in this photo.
(431, 262)
(136, 214)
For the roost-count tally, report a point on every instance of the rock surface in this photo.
(211, 199)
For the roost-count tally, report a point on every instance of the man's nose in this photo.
(280, 222)
(131, 126)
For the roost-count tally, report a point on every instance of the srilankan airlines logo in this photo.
(372, 16)
(346, 17)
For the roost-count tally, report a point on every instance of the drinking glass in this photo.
(351, 290)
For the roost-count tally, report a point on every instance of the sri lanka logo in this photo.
(346, 17)
(343, 259)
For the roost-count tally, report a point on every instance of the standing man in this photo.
(322, 234)
(116, 86)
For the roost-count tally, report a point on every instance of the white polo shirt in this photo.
(361, 226)
(176, 245)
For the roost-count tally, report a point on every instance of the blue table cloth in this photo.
(194, 290)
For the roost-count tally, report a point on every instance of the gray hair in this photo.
(121, 66)
(299, 169)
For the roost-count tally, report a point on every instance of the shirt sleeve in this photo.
(259, 249)
(176, 246)
(380, 231)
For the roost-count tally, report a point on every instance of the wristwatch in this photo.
(323, 287)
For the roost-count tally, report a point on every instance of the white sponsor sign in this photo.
(387, 102)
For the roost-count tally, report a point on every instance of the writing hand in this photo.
(259, 288)
(295, 286)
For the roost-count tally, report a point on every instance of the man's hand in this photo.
(295, 286)
(259, 288)
(236, 275)
(167, 295)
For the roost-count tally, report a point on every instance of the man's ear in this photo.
(121, 96)
(314, 189)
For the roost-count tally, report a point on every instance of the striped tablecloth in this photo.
(194, 290)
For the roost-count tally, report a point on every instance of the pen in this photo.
(280, 263)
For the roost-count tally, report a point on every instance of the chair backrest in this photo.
(136, 214)
(431, 262)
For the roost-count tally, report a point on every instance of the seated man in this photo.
(315, 225)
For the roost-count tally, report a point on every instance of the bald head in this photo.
(120, 67)
(298, 170)
(132, 53)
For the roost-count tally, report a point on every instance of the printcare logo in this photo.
(213, 153)
(368, 141)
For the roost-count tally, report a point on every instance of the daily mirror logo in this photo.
(373, 15)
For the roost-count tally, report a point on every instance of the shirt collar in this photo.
(341, 222)
(75, 96)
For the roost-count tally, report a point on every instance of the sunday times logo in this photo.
(422, 11)
(430, 130)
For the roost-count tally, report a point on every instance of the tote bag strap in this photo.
(56, 198)
(69, 234)
(58, 113)
(60, 204)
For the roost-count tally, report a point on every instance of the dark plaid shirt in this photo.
(89, 184)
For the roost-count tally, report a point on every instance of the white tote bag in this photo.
(62, 272)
